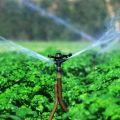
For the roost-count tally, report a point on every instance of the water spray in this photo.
(8, 45)
(56, 19)
(58, 58)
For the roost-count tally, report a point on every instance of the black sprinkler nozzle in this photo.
(59, 58)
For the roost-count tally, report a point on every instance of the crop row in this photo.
(90, 87)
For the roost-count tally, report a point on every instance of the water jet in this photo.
(8, 46)
(56, 19)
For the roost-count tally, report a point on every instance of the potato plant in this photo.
(91, 87)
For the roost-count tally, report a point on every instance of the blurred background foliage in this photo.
(19, 22)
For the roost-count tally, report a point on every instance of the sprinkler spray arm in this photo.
(58, 60)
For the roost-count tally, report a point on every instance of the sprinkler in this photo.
(58, 58)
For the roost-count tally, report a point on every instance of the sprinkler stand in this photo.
(58, 60)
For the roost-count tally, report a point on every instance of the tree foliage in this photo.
(18, 21)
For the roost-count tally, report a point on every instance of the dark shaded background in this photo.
(19, 22)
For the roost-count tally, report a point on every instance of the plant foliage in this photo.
(91, 88)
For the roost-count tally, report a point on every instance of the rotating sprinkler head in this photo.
(58, 58)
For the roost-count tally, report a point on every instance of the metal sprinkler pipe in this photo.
(58, 58)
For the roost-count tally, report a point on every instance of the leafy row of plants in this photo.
(90, 87)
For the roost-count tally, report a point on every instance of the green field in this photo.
(58, 45)
(91, 85)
